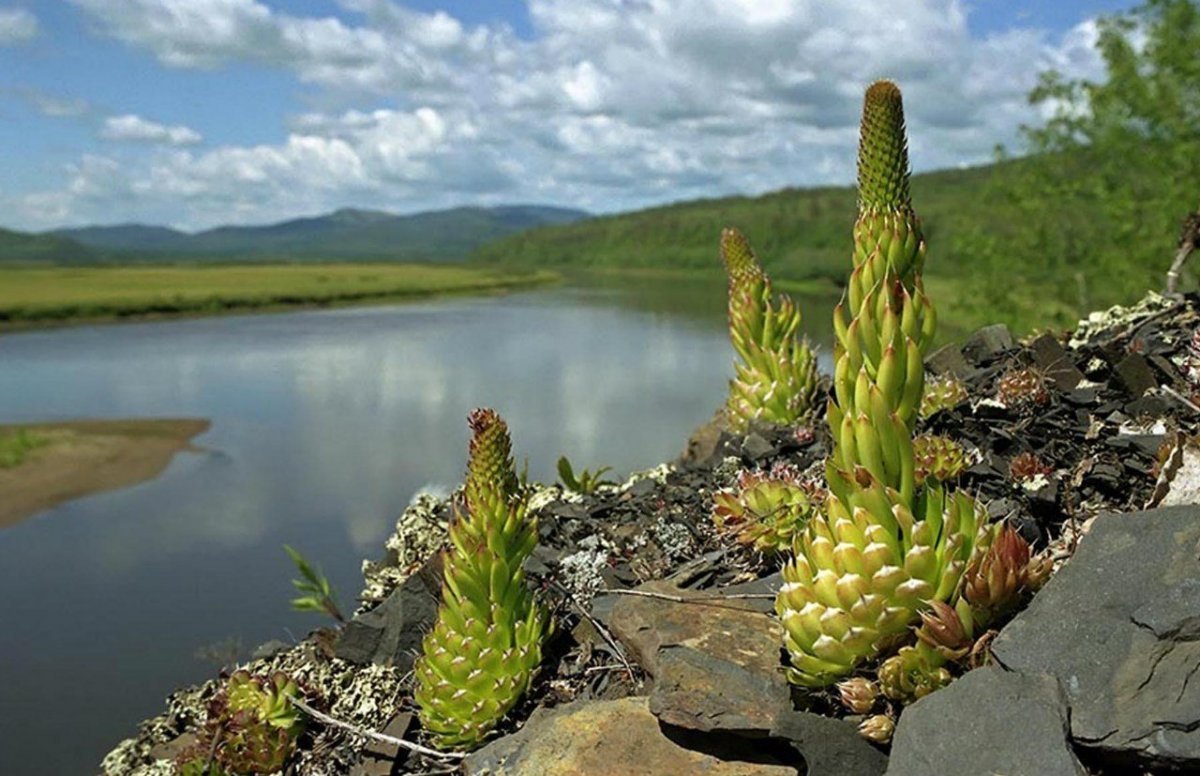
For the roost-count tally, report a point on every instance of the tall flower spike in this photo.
(883, 150)
(776, 373)
(886, 545)
(479, 658)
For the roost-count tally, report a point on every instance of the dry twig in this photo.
(604, 634)
(382, 738)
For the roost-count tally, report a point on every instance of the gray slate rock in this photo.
(1119, 626)
(380, 759)
(948, 360)
(700, 690)
(391, 633)
(1057, 364)
(990, 721)
(1134, 374)
(987, 343)
(830, 747)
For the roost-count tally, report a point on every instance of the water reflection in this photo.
(324, 424)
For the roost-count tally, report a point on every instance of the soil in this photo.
(83, 457)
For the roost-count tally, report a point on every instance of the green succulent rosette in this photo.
(481, 654)
(252, 728)
(776, 372)
(865, 569)
(766, 510)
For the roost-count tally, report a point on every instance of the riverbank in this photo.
(57, 462)
(37, 296)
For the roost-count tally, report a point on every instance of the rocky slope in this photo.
(666, 658)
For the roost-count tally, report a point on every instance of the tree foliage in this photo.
(1118, 167)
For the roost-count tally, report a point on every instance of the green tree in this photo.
(1112, 172)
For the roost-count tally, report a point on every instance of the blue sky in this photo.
(200, 112)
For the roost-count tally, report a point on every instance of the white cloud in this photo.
(610, 105)
(17, 26)
(137, 129)
(59, 107)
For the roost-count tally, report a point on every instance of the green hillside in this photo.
(804, 235)
(22, 248)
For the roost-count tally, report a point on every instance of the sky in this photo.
(196, 113)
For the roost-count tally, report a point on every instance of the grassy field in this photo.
(44, 295)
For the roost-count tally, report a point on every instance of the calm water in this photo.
(325, 423)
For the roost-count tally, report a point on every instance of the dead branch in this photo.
(382, 738)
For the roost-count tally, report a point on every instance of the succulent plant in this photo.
(858, 694)
(1025, 467)
(480, 656)
(586, 481)
(995, 581)
(863, 572)
(884, 546)
(938, 457)
(776, 374)
(912, 673)
(948, 630)
(766, 510)
(877, 728)
(1022, 389)
(251, 728)
(942, 393)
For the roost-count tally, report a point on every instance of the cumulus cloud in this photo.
(137, 129)
(17, 26)
(609, 105)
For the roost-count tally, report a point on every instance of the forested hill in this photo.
(1006, 242)
(798, 233)
(24, 248)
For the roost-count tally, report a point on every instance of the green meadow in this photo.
(30, 295)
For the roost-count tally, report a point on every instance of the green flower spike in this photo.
(481, 654)
(776, 374)
(885, 546)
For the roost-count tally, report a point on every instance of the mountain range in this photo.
(347, 234)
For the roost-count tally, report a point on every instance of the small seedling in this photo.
(586, 482)
(318, 592)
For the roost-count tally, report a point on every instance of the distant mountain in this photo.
(22, 248)
(122, 237)
(434, 236)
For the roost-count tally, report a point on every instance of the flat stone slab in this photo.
(615, 738)
(391, 633)
(1119, 626)
(830, 747)
(990, 721)
(716, 664)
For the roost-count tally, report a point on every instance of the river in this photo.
(324, 425)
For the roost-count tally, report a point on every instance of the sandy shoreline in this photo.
(83, 457)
